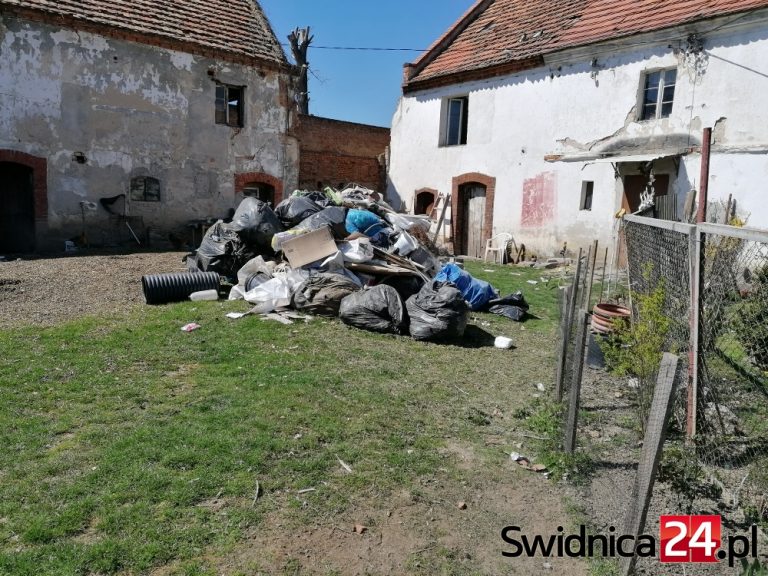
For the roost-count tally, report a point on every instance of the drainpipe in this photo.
(701, 214)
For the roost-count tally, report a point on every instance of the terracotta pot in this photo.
(611, 311)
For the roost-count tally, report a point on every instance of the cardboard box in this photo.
(309, 247)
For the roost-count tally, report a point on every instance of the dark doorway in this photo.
(424, 202)
(260, 190)
(17, 209)
(634, 185)
(472, 202)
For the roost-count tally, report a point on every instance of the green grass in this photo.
(129, 444)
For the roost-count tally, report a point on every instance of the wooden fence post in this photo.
(567, 332)
(569, 445)
(653, 442)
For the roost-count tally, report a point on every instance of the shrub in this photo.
(751, 322)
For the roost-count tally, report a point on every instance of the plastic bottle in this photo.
(204, 295)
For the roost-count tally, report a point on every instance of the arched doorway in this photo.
(472, 200)
(425, 200)
(262, 191)
(263, 186)
(472, 197)
(17, 208)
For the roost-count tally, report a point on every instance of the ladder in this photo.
(441, 204)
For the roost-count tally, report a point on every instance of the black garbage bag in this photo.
(378, 309)
(256, 223)
(437, 313)
(319, 197)
(221, 250)
(406, 286)
(322, 293)
(333, 216)
(512, 306)
(295, 209)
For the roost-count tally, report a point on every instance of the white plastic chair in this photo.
(498, 246)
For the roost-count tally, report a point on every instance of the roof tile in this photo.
(510, 30)
(234, 26)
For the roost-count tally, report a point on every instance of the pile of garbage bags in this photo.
(370, 266)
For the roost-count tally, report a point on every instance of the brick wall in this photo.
(333, 152)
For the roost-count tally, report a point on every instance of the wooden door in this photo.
(17, 209)
(474, 222)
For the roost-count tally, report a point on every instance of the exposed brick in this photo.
(333, 152)
(250, 177)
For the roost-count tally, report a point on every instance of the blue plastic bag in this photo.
(364, 222)
(476, 292)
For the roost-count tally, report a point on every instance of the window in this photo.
(658, 93)
(263, 192)
(145, 189)
(587, 188)
(456, 111)
(229, 105)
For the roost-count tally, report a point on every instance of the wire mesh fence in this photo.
(714, 281)
(701, 293)
(732, 418)
(659, 268)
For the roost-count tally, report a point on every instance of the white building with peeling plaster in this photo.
(546, 126)
(171, 111)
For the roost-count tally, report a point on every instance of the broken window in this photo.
(145, 189)
(455, 118)
(229, 105)
(658, 93)
(587, 189)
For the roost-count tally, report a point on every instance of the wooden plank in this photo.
(749, 234)
(574, 392)
(663, 224)
(655, 433)
(559, 384)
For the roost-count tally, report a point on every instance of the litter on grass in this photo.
(337, 253)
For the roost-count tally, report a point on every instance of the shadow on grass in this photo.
(475, 337)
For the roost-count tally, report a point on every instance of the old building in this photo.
(148, 115)
(336, 153)
(543, 119)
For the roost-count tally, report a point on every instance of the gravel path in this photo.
(46, 291)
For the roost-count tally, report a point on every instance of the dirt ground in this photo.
(422, 526)
(46, 291)
(609, 433)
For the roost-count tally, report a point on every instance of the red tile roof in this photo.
(236, 27)
(496, 34)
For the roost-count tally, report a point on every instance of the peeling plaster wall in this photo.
(134, 110)
(572, 107)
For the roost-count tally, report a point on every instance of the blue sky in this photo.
(361, 85)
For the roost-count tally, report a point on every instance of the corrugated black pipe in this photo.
(175, 287)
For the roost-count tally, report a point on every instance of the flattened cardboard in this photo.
(309, 247)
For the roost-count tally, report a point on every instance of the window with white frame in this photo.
(455, 119)
(658, 94)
